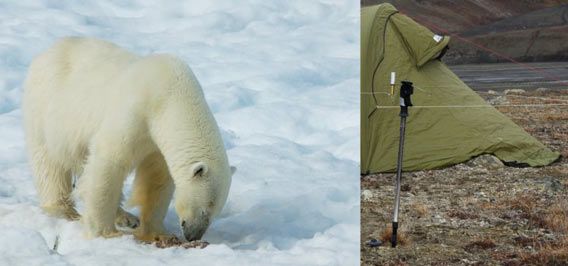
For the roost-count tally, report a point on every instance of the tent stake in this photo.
(406, 90)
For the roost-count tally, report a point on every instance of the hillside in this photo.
(528, 31)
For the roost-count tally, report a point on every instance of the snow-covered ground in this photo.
(282, 79)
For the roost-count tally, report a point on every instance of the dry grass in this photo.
(555, 117)
(556, 218)
(524, 202)
(402, 237)
(549, 255)
(419, 210)
(524, 241)
(480, 244)
(553, 218)
(463, 215)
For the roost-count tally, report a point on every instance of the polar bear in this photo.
(98, 112)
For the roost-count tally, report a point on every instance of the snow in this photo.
(281, 78)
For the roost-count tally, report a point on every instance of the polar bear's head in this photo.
(201, 196)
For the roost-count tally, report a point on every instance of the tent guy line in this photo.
(421, 88)
(430, 94)
(494, 52)
(473, 106)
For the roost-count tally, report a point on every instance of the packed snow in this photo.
(281, 78)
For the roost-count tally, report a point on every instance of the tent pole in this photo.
(405, 91)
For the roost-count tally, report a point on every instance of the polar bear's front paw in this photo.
(109, 233)
(154, 237)
(112, 234)
(72, 215)
(126, 220)
(63, 211)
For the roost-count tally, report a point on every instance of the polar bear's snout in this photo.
(200, 198)
(194, 230)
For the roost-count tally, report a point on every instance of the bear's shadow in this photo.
(268, 225)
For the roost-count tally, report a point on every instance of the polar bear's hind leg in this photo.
(53, 183)
(125, 219)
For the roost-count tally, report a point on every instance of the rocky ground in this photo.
(502, 76)
(480, 212)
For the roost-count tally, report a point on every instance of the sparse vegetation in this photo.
(475, 215)
(419, 209)
(462, 214)
(480, 244)
(402, 237)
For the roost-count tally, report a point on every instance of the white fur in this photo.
(96, 111)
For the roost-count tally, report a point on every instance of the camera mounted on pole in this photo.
(406, 90)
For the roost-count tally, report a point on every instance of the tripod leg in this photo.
(394, 234)
(398, 177)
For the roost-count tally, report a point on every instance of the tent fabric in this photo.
(435, 137)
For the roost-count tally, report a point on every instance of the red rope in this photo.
(498, 54)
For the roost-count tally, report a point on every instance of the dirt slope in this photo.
(525, 30)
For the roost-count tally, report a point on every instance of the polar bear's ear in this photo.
(233, 170)
(199, 169)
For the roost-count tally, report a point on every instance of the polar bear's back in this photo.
(86, 66)
(66, 62)
(66, 85)
(73, 70)
(78, 85)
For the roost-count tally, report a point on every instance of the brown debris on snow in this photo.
(176, 242)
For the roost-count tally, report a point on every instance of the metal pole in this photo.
(398, 176)
(405, 91)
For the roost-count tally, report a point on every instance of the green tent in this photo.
(439, 136)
